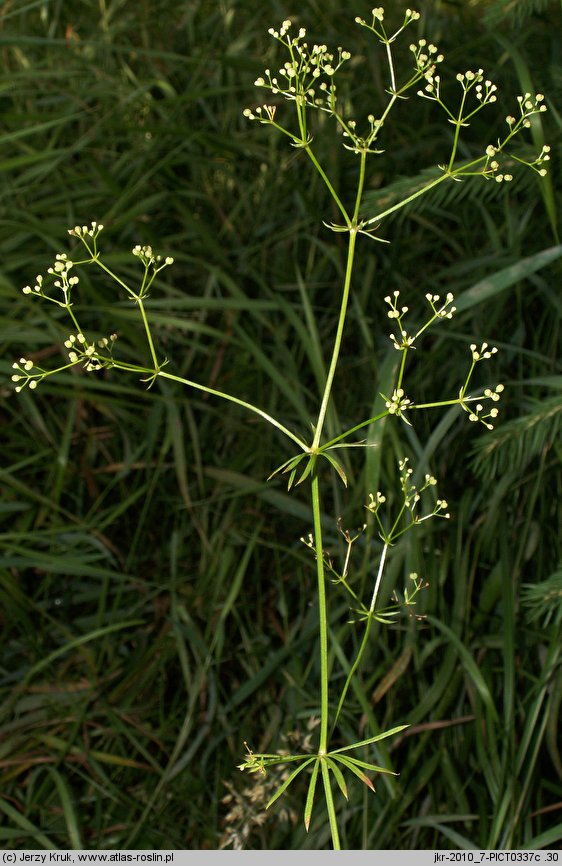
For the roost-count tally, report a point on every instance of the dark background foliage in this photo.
(157, 606)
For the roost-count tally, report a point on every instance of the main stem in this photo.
(343, 307)
(322, 614)
(316, 510)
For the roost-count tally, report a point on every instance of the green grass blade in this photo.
(492, 286)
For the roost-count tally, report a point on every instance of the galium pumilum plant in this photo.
(308, 81)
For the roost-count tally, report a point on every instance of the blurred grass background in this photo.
(157, 608)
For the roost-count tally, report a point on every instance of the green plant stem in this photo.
(148, 334)
(322, 613)
(361, 650)
(407, 200)
(354, 429)
(402, 368)
(448, 174)
(96, 260)
(343, 306)
(73, 317)
(458, 125)
(231, 399)
(326, 180)
(338, 339)
(138, 298)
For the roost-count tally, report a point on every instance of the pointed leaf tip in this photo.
(367, 781)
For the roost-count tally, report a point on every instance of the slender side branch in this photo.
(243, 403)
(343, 306)
(364, 642)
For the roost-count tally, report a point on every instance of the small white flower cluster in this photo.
(404, 340)
(37, 288)
(84, 232)
(378, 19)
(24, 367)
(442, 310)
(148, 258)
(375, 502)
(487, 93)
(409, 595)
(475, 412)
(60, 269)
(412, 494)
(470, 79)
(537, 164)
(297, 78)
(65, 283)
(426, 57)
(263, 113)
(394, 313)
(484, 353)
(398, 403)
(81, 350)
(491, 167)
(528, 107)
(544, 156)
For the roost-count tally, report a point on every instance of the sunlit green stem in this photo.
(354, 429)
(148, 334)
(407, 200)
(135, 297)
(365, 640)
(458, 125)
(343, 306)
(238, 402)
(96, 260)
(402, 368)
(338, 339)
(73, 317)
(322, 613)
(449, 174)
(328, 183)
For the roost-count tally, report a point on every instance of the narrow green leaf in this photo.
(21, 821)
(337, 467)
(288, 781)
(547, 839)
(310, 796)
(311, 463)
(438, 823)
(286, 466)
(339, 776)
(364, 765)
(68, 809)
(356, 771)
(375, 739)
